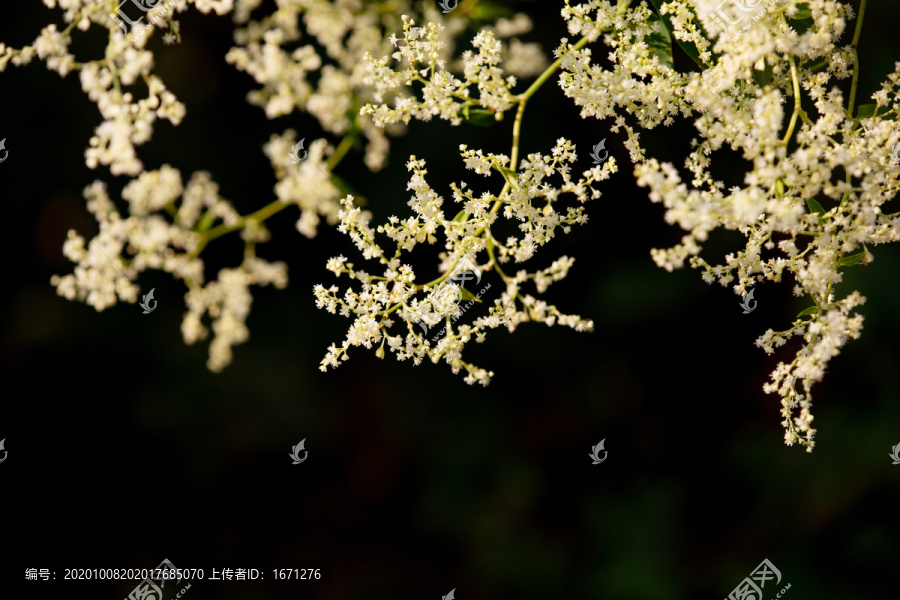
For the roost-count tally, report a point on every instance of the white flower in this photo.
(445, 300)
(831, 160)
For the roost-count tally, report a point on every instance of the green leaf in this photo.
(467, 295)
(809, 311)
(803, 12)
(866, 111)
(802, 21)
(206, 221)
(508, 173)
(660, 42)
(763, 77)
(460, 216)
(801, 26)
(488, 11)
(689, 48)
(480, 117)
(861, 256)
(814, 206)
(779, 188)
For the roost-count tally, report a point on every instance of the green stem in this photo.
(466, 6)
(277, 205)
(261, 215)
(494, 261)
(853, 45)
(795, 82)
(115, 75)
(517, 130)
(339, 153)
(439, 279)
(550, 71)
(521, 99)
(72, 26)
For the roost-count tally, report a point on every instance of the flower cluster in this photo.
(421, 58)
(809, 204)
(168, 225)
(824, 337)
(390, 296)
(108, 265)
(330, 86)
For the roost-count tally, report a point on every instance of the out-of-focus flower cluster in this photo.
(107, 266)
(166, 227)
(306, 56)
(811, 198)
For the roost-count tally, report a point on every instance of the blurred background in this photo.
(125, 450)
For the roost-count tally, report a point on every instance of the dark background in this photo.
(125, 450)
